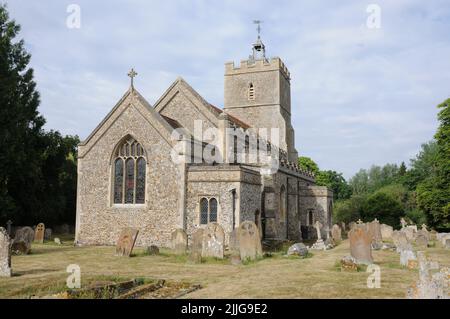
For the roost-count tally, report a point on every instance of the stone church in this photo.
(127, 175)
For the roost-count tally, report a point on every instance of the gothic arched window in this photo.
(129, 173)
(208, 210)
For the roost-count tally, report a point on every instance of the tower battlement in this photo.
(248, 66)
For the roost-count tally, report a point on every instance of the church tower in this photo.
(259, 93)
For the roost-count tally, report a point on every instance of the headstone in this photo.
(195, 254)
(57, 241)
(5, 253)
(400, 241)
(179, 241)
(39, 233)
(343, 227)
(386, 231)
(403, 222)
(249, 241)
(298, 249)
(443, 238)
(422, 238)
(433, 234)
(336, 233)
(375, 231)
(233, 247)
(152, 250)
(360, 245)
(447, 243)
(126, 241)
(48, 234)
(319, 244)
(351, 225)
(8, 227)
(22, 241)
(409, 232)
(405, 257)
(213, 241)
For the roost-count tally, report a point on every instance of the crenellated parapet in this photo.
(247, 66)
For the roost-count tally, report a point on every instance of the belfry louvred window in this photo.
(129, 173)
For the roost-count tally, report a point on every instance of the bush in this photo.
(384, 207)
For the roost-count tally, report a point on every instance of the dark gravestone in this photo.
(126, 241)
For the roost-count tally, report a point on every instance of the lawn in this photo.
(43, 273)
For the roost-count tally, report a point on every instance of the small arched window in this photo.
(251, 92)
(310, 218)
(129, 173)
(208, 210)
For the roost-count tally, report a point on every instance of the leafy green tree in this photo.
(383, 207)
(336, 182)
(423, 166)
(433, 194)
(308, 164)
(349, 210)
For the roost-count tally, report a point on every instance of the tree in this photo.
(423, 166)
(308, 164)
(336, 182)
(433, 194)
(349, 210)
(20, 124)
(383, 207)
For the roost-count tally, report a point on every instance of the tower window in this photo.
(251, 92)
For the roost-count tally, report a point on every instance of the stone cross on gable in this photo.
(132, 75)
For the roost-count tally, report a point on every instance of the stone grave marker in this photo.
(5, 253)
(386, 231)
(336, 233)
(8, 227)
(361, 245)
(249, 241)
(195, 254)
(152, 250)
(126, 241)
(213, 241)
(233, 247)
(298, 249)
(48, 234)
(39, 233)
(179, 241)
(22, 241)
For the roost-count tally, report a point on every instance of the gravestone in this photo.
(447, 243)
(22, 241)
(351, 225)
(422, 238)
(375, 231)
(179, 241)
(196, 246)
(213, 241)
(343, 227)
(336, 233)
(319, 244)
(126, 241)
(406, 256)
(233, 247)
(57, 241)
(442, 237)
(298, 249)
(400, 241)
(386, 231)
(249, 241)
(360, 245)
(403, 222)
(152, 250)
(48, 234)
(409, 232)
(5, 253)
(39, 233)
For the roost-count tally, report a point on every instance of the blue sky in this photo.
(360, 96)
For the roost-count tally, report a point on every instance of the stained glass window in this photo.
(203, 211)
(129, 173)
(118, 181)
(212, 210)
(140, 181)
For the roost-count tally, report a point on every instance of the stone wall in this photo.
(319, 199)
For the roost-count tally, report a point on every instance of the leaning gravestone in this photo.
(126, 241)
(39, 233)
(249, 241)
(196, 246)
(5, 253)
(386, 231)
(213, 241)
(179, 241)
(336, 233)
(360, 245)
(22, 241)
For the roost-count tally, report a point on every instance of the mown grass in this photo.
(44, 273)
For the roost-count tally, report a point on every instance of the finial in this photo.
(132, 74)
(259, 50)
(258, 22)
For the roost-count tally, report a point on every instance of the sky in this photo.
(364, 84)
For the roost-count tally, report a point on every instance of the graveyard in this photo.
(319, 274)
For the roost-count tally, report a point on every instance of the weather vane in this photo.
(258, 22)
(132, 74)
